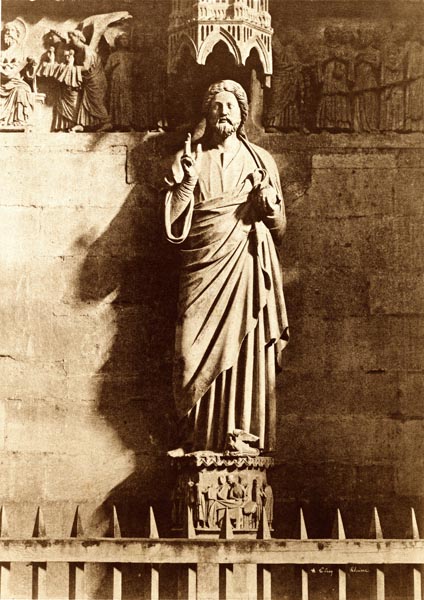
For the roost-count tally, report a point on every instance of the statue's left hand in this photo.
(267, 201)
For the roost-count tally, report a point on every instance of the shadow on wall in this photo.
(132, 263)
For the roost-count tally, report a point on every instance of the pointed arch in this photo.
(214, 38)
(183, 41)
(264, 56)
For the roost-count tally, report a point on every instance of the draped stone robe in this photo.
(232, 320)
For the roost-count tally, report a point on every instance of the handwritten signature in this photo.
(330, 571)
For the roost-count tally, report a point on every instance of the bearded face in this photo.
(224, 114)
(225, 128)
(10, 36)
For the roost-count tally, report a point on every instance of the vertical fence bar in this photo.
(339, 534)
(77, 570)
(226, 570)
(207, 587)
(187, 574)
(189, 531)
(187, 582)
(416, 570)
(39, 570)
(153, 569)
(4, 567)
(264, 571)
(304, 570)
(115, 533)
(377, 587)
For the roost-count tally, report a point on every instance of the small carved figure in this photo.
(119, 71)
(178, 504)
(69, 76)
(48, 64)
(237, 490)
(211, 497)
(366, 87)
(16, 102)
(223, 489)
(200, 506)
(336, 76)
(268, 502)
(257, 498)
(392, 98)
(30, 73)
(414, 117)
(92, 109)
(287, 92)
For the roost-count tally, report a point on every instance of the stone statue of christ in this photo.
(225, 209)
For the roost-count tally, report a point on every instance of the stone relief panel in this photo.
(365, 78)
(107, 71)
(96, 72)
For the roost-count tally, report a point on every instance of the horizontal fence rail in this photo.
(200, 561)
(166, 551)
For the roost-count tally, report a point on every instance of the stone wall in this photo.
(88, 305)
(88, 312)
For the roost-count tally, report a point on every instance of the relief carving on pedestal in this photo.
(213, 485)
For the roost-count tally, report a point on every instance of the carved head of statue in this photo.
(365, 37)
(77, 38)
(225, 108)
(122, 41)
(331, 35)
(13, 33)
(231, 480)
(54, 37)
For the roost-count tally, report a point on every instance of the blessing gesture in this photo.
(189, 162)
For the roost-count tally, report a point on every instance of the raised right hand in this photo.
(188, 162)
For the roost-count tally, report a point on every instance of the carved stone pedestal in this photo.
(209, 486)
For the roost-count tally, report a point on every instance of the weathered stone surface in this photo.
(70, 478)
(375, 481)
(23, 480)
(411, 390)
(354, 439)
(300, 480)
(369, 244)
(410, 478)
(327, 292)
(353, 162)
(409, 192)
(373, 344)
(22, 379)
(373, 393)
(87, 315)
(356, 191)
(411, 158)
(47, 176)
(19, 226)
(397, 293)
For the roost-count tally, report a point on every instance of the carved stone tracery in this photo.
(241, 24)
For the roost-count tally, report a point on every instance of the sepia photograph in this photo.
(212, 300)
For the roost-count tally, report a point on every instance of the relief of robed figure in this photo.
(16, 101)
